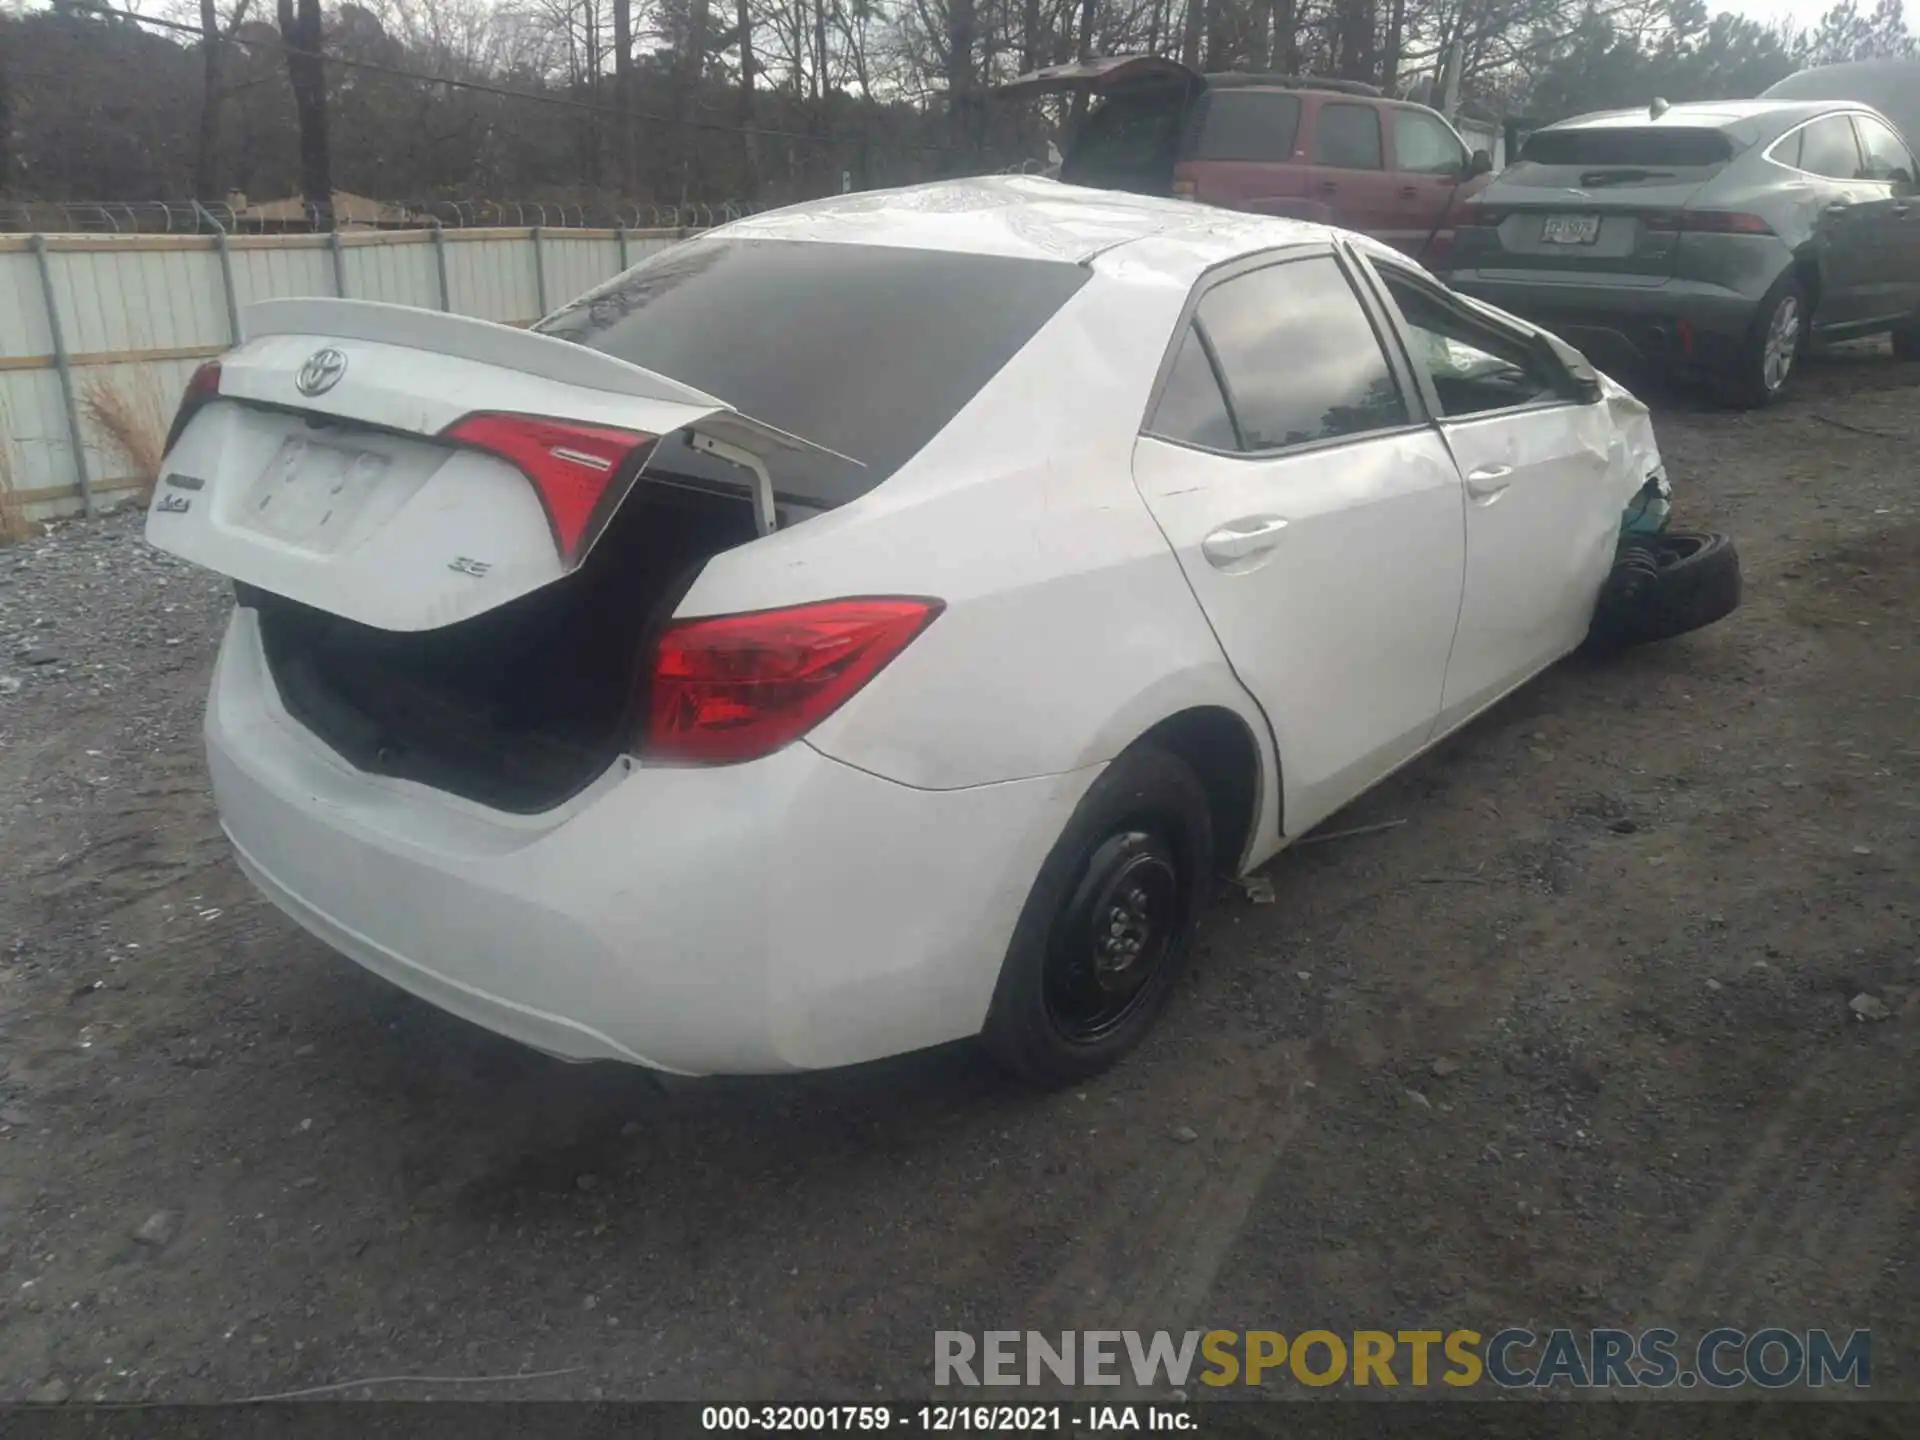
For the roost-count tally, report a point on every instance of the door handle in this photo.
(1489, 482)
(1327, 187)
(1242, 539)
(1838, 207)
(1409, 192)
(1900, 207)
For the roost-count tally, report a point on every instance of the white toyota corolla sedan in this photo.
(872, 623)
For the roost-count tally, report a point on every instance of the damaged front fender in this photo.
(1649, 508)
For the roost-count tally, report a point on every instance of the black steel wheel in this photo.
(1104, 933)
(1120, 925)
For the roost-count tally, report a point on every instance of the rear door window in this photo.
(1246, 125)
(1299, 357)
(1886, 155)
(1347, 137)
(1426, 145)
(867, 349)
(1192, 409)
(1827, 148)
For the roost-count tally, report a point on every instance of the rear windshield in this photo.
(866, 349)
(1654, 146)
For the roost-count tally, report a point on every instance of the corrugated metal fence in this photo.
(90, 322)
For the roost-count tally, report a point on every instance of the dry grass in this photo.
(14, 525)
(133, 418)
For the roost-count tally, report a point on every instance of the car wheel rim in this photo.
(1783, 340)
(1114, 937)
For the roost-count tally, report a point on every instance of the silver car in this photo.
(1713, 239)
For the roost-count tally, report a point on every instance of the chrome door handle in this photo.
(1489, 482)
(1900, 207)
(1242, 539)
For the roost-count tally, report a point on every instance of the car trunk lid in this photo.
(1132, 139)
(407, 470)
(1595, 201)
(1099, 75)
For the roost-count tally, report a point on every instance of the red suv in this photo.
(1335, 151)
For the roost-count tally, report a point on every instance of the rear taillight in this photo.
(736, 687)
(1712, 222)
(1481, 215)
(203, 387)
(1185, 189)
(581, 472)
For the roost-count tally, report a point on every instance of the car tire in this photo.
(1773, 345)
(1685, 580)
(1120, 889)
(1906, 343)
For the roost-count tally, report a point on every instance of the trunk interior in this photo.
(522, 707)
(1131, 140)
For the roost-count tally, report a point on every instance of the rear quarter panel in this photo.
(1069, 628)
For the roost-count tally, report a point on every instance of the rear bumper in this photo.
(1681, 323)
(792, 913)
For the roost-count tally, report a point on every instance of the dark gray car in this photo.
(1713, 239)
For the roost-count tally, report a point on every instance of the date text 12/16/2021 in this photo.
(941, 1419)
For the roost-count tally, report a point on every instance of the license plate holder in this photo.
(310, 492)
(1570, 229)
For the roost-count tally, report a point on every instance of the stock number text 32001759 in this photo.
(927, 1419)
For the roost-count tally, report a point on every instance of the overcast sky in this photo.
(1804, 13)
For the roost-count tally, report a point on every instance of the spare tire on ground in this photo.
(1666, 585)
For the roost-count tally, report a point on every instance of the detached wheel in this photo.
(1666, 585)
(1105, 930)
(1767, 356)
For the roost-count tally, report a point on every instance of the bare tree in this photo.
(692, 67)
(623, 89)
(300, 27)
(6, 127)
(1085, 52)
(214, 38)
(1353, 32)
(749, 140)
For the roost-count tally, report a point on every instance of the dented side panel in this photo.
(1544, 493)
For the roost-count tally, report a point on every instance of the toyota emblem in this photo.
(321, 372)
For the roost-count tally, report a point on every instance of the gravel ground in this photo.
(1573, 1045)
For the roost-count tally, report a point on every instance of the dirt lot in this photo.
(1630, 906)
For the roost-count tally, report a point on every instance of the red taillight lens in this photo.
(203, 386)
(1481, 215)
(736, 687)
(581, 472)
(1185, 189)
(1711, 222)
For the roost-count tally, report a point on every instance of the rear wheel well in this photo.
(1806, 270)
(1217, 746)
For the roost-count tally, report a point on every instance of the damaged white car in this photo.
(874, 623)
